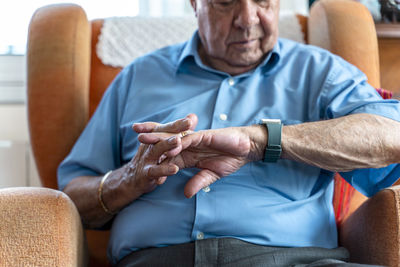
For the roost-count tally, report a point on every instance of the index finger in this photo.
(184, 124)
(173, 143)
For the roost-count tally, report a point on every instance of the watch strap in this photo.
(273, 149)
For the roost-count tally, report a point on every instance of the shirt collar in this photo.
(190, 51)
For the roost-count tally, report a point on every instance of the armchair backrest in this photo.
(66, 79)
(346, 28)
(58, 66)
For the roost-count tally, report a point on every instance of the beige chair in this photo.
(66, 80)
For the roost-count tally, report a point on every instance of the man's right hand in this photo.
(142, 174)
(147, 170)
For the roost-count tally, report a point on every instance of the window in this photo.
(16, 14)
(14, 21)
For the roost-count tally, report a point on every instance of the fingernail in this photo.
(173, 169)
(161, 159)
(172, 140)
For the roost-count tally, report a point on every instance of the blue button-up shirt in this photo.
(280, 204)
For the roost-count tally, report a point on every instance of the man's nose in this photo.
(246, 14)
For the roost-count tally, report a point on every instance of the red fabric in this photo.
(343, 191)
(384, 93)
(341, 199)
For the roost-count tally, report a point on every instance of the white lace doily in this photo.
(122, 39)
(289, 27)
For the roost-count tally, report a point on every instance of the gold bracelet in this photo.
(100, 193)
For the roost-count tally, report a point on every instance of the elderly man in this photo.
(243, 190)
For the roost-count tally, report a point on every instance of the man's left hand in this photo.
(217, 153)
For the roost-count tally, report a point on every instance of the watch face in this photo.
(264, 121)
(273, 149)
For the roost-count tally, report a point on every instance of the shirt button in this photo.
(231, 82)
(223, 117)
(206, 189)
(200, 235)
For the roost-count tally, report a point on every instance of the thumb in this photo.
(193, 121)
(202, 179)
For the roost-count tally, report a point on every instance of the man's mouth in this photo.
(247, 43)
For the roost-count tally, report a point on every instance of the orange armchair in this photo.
(66, 81)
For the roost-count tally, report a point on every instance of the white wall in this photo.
(300, 6)
(17, 167)
(13, 121)
(16, 162)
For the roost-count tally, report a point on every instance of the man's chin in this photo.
(236, 64)
(245, 63)
(247, 58)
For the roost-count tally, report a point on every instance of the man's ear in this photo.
(194, 6)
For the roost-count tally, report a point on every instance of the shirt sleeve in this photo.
(345, 92)
(97, 150)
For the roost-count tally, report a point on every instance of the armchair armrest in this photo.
(371, 233)
(39, 227)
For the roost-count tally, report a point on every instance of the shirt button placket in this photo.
(223, 117)
(220, 116)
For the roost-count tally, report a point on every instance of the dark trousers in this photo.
(234, 252)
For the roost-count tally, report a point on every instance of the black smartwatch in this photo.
(273, 150)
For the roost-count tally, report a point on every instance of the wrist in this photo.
(100, 194)
(258, 135)
(130, 188)
(117, 191)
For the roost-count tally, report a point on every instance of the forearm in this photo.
(84, 193)
(344, 144)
